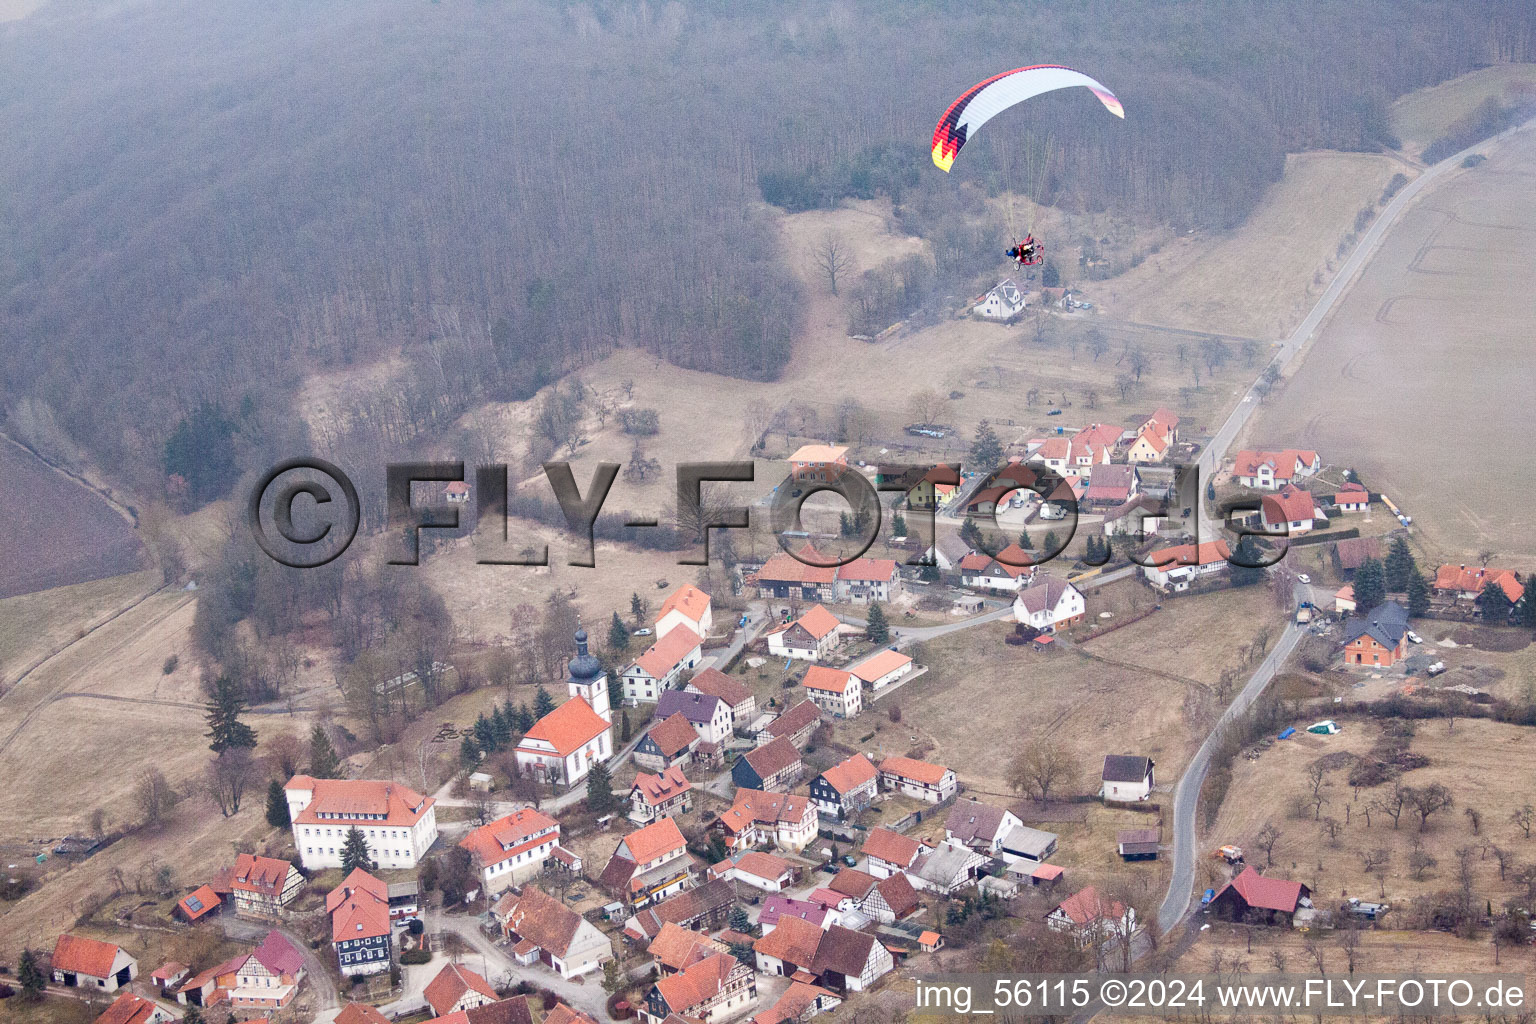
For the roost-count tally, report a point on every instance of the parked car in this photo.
(1302, 577)
(1414, 638)
(643, 631)
(850, 860)
(1054, 412)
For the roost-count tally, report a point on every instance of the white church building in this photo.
(564, 745)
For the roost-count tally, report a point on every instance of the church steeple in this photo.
(586, 679)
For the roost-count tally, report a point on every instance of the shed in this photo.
(1138, 843)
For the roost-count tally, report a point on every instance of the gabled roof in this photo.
(796, 999)
(847, 775)
(754, 807)
(361, 912)
(881, 664)
(569, 727)
(129, 1008)
(763, 865)
(852, 882)
(644, 845)
(658, 789)
(898, 894)
(80, 955)
(450, 985)
(1472, 580)
(1126, 768)
(829, 680)
(698, 982)
(911, 768)
(1264, 892)
(1045, 595)
(773, 757)
(698, 708)
(1284, 463)
(687, 599)
(199, 902)
(1187, 554)
(892, 847)
(686, 906)
(1386, 624)
(1029, 842)
(717, 684)
(776, 908)
(262, 875)
(975, 562)
(360, 1013)
(794, 720)
(842, 950)
(793, 940)
(358, 879)
(675, 947)
(509, 836)
(818, 622)
(563, 1014)
(1087, 906)
(668, 651)
(786, 568)
(868, 570)
(280, 956)
(374, 801)
(971, 820)
(1289, 504)
(503, 1011)
(673, 734)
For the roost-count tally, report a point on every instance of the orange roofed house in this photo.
(1091, 918)
(908, 776)
(836, 691)
(686, 606)
(818, 463)
(79, 962)
(663, 795)
(846, 788)
(1270, 471)
(360, 928)
(512, 848)
(542, 928)
(1175, 568)
(649, 865)
(811, 637)
(399, 823)
(261, 887)
(1467, 584)
(661, 665)
(129, 1008)
(809, 576)
(455, 988)
(564, 745)
(758, 818)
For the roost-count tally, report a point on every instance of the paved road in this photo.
(319, 987)
(588, 997)
(1187, 793)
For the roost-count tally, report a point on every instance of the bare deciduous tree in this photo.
(1042, 767)
(832, 258)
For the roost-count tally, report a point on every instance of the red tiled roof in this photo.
(697, 983)
(772, 758)
(278, 955)
(785, 568)
(689, 600)
(830, 680)
(362, 912)
(360, 1013)
(665, 654)
(1289, 504)
(820, 453)
(818, 622)
(80, 955)
(1472, 580)
(358, 879)
(360, 800)
(753, 806)
(763, 865)
(658, 789)
(450, 985)
(852, 882)
(569, 727)
(675, 947)
(881, 570)
(263, 875)
(881, 664)
(508, 836)
(198, 902)
(128, 1008)
(793, 940)
(1264, 892)
(563, 1014)
(1186, 554)
(651, 842)
(1247, 463)
(1087, 906)
(975, 561)
(892, 847)
(538, 917)
(898, 894)
(850, 774)
(794, 720)
(911, 768)
(673, 734)
(714, 683)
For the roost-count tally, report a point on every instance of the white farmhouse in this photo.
(1049, 605)
(1001, 303)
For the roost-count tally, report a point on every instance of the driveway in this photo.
(319, 987)
(586, 995)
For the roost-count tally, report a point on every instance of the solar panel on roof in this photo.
(194, 904)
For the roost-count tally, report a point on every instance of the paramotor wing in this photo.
(985, 100)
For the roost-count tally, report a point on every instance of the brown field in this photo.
(33, 625)
(1438, 314)
(1486, 765)
(57, 532)
(1259, 280)
(1421, 117)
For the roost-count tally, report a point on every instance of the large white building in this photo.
(563, 746)
(399, 823)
